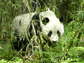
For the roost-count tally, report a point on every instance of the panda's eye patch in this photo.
(50, 33)
(45, 21)
(58, 33)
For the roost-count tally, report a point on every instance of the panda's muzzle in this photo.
(54, 41)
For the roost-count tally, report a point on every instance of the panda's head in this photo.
(52, 27)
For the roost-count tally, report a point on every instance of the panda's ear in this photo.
(35, 17)
(45, 20)
(61, 18)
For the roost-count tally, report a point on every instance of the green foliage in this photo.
(51, 54)
(6, 52)
(71, 41)
(17, 60)
(69, 48)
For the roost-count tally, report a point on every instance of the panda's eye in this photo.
(58, 33)
(50, 33)
(45, 21)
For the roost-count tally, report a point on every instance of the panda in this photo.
(46, 22)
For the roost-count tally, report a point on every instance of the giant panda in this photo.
(45, 22)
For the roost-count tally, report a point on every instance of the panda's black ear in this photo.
(45, 21)
(35, 17)
(62, 19)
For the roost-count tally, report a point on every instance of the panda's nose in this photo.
(54, 41)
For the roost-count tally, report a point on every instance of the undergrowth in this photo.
(69, 48)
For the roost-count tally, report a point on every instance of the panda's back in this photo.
(22, 22)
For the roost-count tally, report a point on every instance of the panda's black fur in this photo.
(37, 23)
(17, 44)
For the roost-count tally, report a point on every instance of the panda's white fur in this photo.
(22, 23)
(53, 25)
